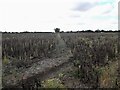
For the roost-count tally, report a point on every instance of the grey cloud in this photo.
(114, 22)
(84, 6)
(80, 23)
(107, 12)
(75, 16)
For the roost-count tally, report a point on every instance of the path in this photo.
(42, 69)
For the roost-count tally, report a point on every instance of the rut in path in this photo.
(43, 69)
(41, 76)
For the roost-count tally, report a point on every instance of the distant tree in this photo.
(83, 31)
(67, 31)
(102, 31)
(62, 31)
(89, 31)
(57, 30)
(26, 32)
(110, 31)
(78, 31)
(97, 30)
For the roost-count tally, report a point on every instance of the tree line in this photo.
(79, 31)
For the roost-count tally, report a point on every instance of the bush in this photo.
(52, 83)
(57, 30)
(5, 60)
(108, 77)
(92, 53)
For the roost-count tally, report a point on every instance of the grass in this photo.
(52, 83)
(108, 75)
(5, 60)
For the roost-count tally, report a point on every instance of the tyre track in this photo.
(39, 71)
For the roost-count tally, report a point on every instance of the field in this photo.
(60, 60)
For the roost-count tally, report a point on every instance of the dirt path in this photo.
(42, 69)
(51, 73)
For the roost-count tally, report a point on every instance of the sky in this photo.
(68, 15)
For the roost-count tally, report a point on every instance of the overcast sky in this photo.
(45, 15)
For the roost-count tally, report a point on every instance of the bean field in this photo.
(60, 60)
